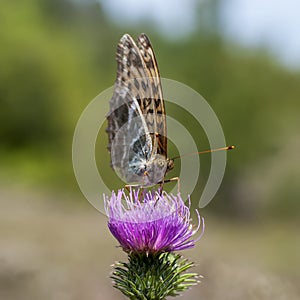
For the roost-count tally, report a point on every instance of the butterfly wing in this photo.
(152, 104)
(137, 121)
(130, 142)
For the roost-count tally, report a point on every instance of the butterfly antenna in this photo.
(206, 151)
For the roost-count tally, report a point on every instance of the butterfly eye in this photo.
(160, 163)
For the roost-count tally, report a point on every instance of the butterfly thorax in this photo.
(148, 172)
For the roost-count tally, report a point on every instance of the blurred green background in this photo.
(55, 57)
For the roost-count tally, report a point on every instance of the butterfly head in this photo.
(170, 164)
(156, 169)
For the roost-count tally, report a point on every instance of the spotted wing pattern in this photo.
(137, 121)
(154, 108)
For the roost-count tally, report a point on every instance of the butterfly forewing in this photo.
(155, 111)
(136, 121)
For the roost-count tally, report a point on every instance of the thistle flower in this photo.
(158, 223)
(150, 226)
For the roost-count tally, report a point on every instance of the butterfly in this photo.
(137, 130)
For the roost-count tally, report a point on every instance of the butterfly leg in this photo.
(141, 190)
(178, 183)
(144, 176)
(170, 180)
(128, 187)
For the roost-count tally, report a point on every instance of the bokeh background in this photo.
(57, 55)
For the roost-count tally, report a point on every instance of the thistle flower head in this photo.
(151, 222)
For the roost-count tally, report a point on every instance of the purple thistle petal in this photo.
(158, 223)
